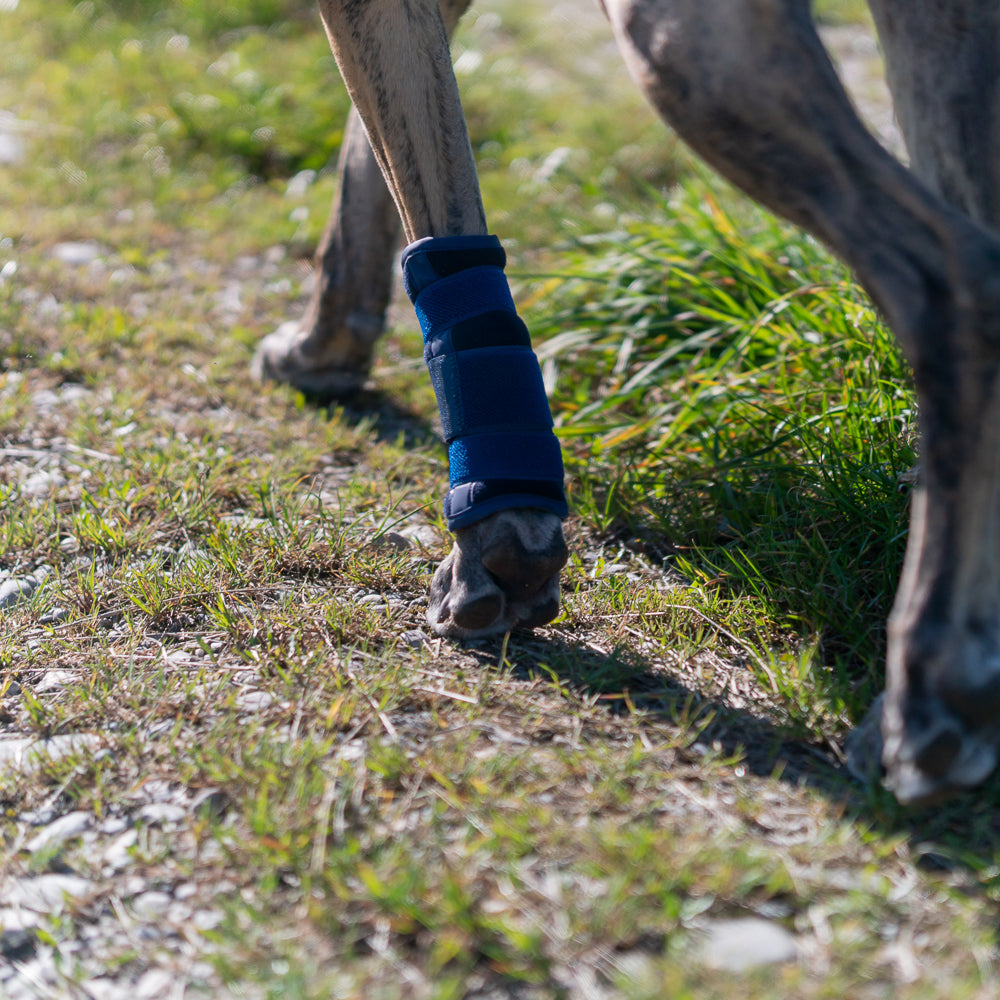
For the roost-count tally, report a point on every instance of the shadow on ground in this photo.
(390, 422)
(817, 554)
(626, 680)
(963, 834)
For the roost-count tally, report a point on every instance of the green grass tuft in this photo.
(728, 396)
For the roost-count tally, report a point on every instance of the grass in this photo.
(236, 582)
(754, 413)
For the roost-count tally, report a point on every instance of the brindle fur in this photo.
(748, 84)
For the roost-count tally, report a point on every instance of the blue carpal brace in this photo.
(501, 449)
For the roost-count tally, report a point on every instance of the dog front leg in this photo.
(506, 499)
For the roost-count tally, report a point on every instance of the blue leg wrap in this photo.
(502, 452)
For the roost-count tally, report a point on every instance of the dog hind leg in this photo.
(749, 86)
(328, 353)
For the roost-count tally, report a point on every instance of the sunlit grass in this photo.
(237, 612)
(727, 394)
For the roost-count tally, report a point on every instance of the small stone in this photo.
(77, 254)
(134, 885)
(118, 854)
(201, 971)
(737, 945)
(103, 988)
(153, 984)
(114, 825)
(56, 616)
(206, 920)
(389, 541)
(298, 186)
(158, 790)
(254, 701)
(423, 535)
(178, 914)
(44, 400)
(414, 638)
(18, 919)
(46, 893)
(11, 149)
(162, 812)
(151, 904)
(54, 680)
(16, 591)
(27, 753)
(39, 817)
(58, 832)
(10, 382)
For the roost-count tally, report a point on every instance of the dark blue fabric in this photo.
(495, 328)
(460, 297)
(426, 260)
(502, 452)
(502, 389)
(492, 389)
(462, 506)
(445, 379)
(504, 455)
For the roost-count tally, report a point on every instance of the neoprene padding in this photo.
(502, 451)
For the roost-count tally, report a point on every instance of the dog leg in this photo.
(749, 86)
(329, 352)
(504, 568)
(943, 679)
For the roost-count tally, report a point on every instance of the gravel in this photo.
(746, 943)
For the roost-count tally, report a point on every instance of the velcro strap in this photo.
(462, 296)
(435, 257)
(471, 502)
(484, 390)
(504, 455)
